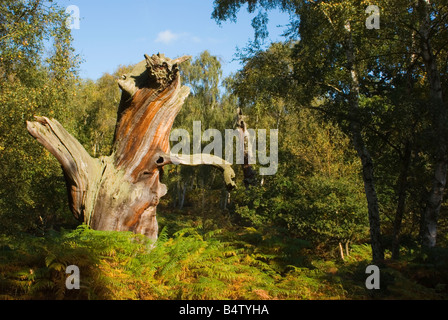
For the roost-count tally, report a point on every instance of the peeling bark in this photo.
(121, 192)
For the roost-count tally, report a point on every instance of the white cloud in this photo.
(167, 37)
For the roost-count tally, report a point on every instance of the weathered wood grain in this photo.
(121, 192)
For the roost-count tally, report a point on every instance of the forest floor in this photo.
(192, 262)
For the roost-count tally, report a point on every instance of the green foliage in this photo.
(194, 264)
(394, 114)
(38, 75)
(188, 265)
(317, 192)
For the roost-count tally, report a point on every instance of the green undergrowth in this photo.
(191, 263)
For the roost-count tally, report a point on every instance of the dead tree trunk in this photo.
(121, 192)
(249, 174)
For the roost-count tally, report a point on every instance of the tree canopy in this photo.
(383, 86)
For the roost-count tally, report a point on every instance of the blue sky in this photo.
(119, 32)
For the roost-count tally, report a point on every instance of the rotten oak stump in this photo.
(121, 192)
